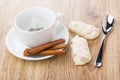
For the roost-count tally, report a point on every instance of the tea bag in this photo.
(36, 25)
(37, 28)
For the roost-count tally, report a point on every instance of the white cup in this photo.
(33, 17)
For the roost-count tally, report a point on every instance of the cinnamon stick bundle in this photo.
(39, 49)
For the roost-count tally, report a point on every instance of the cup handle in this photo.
(60, 20)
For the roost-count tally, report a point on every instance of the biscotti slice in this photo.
(83, 29)
(80, 50)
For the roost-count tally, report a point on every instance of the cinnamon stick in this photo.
(61, 46)
(42, 47)
(52, 52)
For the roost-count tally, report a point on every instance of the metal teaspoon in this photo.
(107, 26)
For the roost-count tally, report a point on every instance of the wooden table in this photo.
(62, 67)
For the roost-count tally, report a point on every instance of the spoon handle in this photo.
(98, 62)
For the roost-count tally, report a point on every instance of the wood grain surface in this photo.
(62, 67)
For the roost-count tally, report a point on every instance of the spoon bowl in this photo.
(107, 24)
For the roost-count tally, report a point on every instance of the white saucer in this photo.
(17, 48)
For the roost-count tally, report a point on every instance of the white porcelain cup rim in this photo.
(30, 9)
